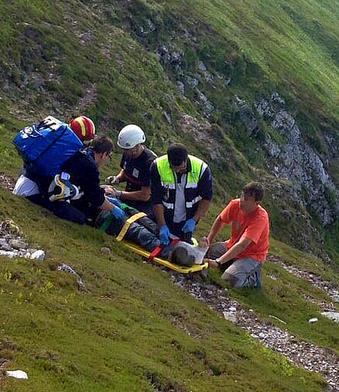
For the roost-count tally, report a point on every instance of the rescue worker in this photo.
(83, 169)
(242, 256)
(181, 187)
(135, 169)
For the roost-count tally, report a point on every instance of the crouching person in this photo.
(242, 256)
(144, 232)
(75, 194)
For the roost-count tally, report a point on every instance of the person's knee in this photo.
(231, 279)
(241, 280)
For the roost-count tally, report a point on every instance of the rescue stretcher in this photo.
(152, 256)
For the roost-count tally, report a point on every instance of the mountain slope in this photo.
(250, 87)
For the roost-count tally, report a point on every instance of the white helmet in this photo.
(130, 136)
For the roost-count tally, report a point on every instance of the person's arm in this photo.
(238, 248)
(202, 209)
(156, 190)
(120, 177)
(159, 214)
(218, 224)
(205, 190)
(143, 195)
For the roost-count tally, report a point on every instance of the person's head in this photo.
(252, 194)
(102, 147)
(130, 140)
(83, 127)
(177, 157)
(181, 255)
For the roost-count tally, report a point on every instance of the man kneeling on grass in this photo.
(242, 256)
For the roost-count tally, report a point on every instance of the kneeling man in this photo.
(242, 256)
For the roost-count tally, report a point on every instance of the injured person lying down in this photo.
(139, 229)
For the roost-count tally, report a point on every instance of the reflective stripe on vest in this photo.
(190, 204)
(168, 180)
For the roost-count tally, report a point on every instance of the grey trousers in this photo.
(241, 272)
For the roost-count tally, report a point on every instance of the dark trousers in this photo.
(62, 209)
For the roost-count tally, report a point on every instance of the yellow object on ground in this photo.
(175, 267)
(142, 252)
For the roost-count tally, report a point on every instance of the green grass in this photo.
(133, 327)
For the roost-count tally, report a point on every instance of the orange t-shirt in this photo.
(254, 226)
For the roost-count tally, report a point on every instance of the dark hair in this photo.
(102, 144)
(177, 154)
(254, 189)
(182, 256)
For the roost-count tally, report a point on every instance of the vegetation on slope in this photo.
(133, 329)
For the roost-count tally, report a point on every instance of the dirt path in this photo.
(299, 352)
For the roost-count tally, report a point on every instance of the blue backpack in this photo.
(44, 147)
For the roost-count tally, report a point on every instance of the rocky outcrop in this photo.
(297, 161)
(202, 133)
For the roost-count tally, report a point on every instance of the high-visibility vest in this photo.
(168, 183)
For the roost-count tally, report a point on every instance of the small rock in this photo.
(202, 66)
(232, 309)
(4, 245)
(105, 250)
(334, 316)
(8, 254)
(17, 374)
(38, 255)
(313, 320)
(230, 316)
(181, 88)
(335, 297)
(18, 244)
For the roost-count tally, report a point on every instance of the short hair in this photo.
(177, 154)
(182, 255)
(254, 189)
(102, 144)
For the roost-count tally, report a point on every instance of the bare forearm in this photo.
(121, 176)
(232, 253)
(159, 214)
(216, 227)
(142, 195)
(202, 209)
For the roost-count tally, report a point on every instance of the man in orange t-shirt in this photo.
(241, 257)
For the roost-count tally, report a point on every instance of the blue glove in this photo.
(118, 213)
(164, 235)
(189, 226)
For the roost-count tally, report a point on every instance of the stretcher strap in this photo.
(156, 251)
(128, 223)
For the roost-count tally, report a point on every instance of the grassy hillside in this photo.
(133, 329)
(102, 59)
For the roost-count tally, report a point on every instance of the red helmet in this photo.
(83, 127)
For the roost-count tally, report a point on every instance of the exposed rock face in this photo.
(201, 132)
(297, 161)
(246, 115)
